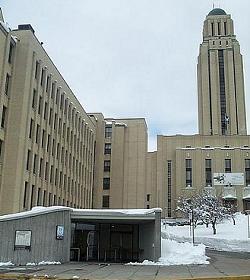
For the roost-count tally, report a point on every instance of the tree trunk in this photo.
(233, 221)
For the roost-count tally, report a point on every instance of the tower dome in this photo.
(217, 12)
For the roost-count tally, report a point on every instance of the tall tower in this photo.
(221, 97)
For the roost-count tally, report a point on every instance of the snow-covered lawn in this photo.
(229, 237)
(176, 253)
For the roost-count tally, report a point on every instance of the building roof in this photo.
(106, 214)
(217, 12)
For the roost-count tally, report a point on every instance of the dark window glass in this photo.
(107, 148)
(108, 131)
(208, 172)
(28, 160)
(106, 183)
(7, 84)
(4, 114)
(106, 165)
(37, 70)
(11, 49)
(228, 166)
(25, 196)
(188, 173)
(34, 99)
(105, 201)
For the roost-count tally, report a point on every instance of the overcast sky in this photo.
(131, 58)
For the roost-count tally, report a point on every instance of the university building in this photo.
(54, 153)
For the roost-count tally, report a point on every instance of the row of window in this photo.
(56, 176)
(220, 29)
(38, 197)
(208, 171)
(51, 146)
(59, 98)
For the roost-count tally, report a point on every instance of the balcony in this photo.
(229, 193)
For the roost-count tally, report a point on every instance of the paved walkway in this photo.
(221, 264)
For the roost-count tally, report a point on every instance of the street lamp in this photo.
(248, 223)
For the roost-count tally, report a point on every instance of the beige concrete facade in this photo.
(47, 139)
(53, 153)
(120, 173)
(221, 96)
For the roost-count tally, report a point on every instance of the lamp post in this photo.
(248, 223)
(191, 219)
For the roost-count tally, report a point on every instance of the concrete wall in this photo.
(44, 245)
(150, 239)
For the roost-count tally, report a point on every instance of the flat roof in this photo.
(90, 214)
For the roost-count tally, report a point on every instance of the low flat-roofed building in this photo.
(62, 234)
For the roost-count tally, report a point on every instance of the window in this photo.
(51, 173)
(34, 99)
(212, 28)
(47, 83)
(45, 110)
(7, 84)
(106, 165)
(11, 49)
(108, 131)
(219, 28)
(50, 116)
(1, 149)
(42, 77)
(228, 166)
(107, 149)
(40, 105)
(247, 171)
(53, 90)
(55, 121)
(41, 168)
(208, 172)
(106, 183)
(43, 139)
(4, 113)
(37, 133)
(28, 160)
(44, 198)
(35, 164)
(48, 144)
(38, 196)
(46, 170)
(37, 70)
(57, 95)
(105, 201)
(25, 196)
(188, 173)
(225, 28)
(32, 196)
(31, 128)
(148, 197)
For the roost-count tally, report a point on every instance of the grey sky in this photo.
(131, 58)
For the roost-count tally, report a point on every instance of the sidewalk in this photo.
(221, 265)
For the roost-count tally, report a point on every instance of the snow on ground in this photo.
(6, 263)
(175, 253)
(229, 237)
(43, 263)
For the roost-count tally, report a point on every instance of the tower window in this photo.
(105, 201)
(10, 53)
(212, 28)
(247, 171)
(106, 165)
(225, 28)
(219, 28)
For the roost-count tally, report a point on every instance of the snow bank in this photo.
(229, 237)
(175, 253)
(6, 263)
(43, 263)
